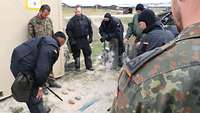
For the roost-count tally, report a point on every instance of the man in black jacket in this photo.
(111, 30)
(37, 57)
(80, 33)
(153, 33)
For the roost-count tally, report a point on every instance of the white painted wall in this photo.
(13, 31)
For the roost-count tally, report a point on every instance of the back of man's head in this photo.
(186, 12)
(139, 7)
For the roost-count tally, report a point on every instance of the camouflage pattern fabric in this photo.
(38, 28)
(167, 83)
(114, 48)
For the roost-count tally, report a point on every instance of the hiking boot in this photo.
(77, 69)
(54, 84)
(48, 109)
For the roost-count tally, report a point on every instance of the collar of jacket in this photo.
(81, 16)
(191, 31)
(155, 26)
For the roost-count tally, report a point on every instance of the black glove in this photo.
(105, 36)
(108, 37)
(72, 41)
(90, 40)
(102, 39)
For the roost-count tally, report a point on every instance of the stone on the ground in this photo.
(78, 98)
(71, 90)
(71, 102)
(64, 92)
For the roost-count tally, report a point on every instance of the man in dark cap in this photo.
(111, 30)
(153, 33)
(134, 30)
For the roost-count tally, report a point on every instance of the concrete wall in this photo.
(13, 26)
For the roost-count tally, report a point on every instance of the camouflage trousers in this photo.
(116, 56)
(131, 51)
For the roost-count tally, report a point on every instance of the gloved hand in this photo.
(108, 37)
(90, 40)
(72, 42)
(102, 39)
(105, 36)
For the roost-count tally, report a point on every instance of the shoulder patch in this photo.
(55, 51)
(138, 79)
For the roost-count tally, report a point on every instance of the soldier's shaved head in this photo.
(78, 10)
(186, 12)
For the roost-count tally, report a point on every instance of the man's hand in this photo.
(125, 41)
(40, 93)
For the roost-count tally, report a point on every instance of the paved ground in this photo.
(78, 89)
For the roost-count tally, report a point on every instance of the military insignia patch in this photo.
(138, 79)
(56, 51)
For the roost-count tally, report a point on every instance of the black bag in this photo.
(22, 87)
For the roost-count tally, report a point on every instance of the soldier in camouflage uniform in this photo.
(42, 26)
(166, 79)
(133, 29)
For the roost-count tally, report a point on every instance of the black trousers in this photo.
(34, 105)
(83, 45)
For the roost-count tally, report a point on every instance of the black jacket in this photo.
(36, 56)
(112, 29)
(79, 27)
(153, 37)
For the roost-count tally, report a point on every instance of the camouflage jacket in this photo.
(165, 80)
(40, 27)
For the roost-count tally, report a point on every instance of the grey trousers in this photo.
(114, 47)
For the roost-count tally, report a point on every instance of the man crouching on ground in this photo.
(37, 57)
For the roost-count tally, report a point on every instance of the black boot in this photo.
(88, 63)
(48, 109)
(77, 64)
(53, 83)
